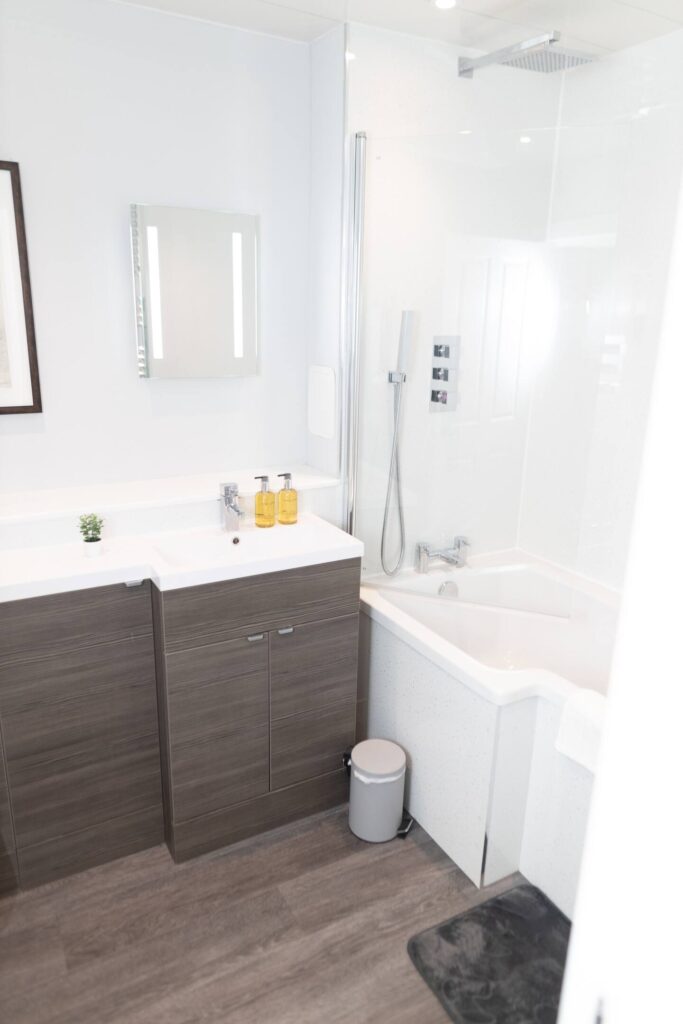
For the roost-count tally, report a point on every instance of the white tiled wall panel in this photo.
(531, 215)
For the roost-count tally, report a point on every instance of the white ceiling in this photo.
(594, 25)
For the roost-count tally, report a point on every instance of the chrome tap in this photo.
(457, 555)
(232, 513)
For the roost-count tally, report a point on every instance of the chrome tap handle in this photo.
(230, 496)
(229, 492)
(232, 513)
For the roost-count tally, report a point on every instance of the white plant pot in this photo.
(93, 548)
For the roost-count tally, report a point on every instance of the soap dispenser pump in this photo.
(287, 502)
(265, 504)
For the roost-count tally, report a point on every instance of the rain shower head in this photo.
(539, 54)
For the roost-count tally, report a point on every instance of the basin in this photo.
(210, 554)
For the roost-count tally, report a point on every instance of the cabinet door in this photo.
(81, 739)
(313, 698)
(79, 720)
(217, 725)
(313, 665)
(312, 744)
(43, 627)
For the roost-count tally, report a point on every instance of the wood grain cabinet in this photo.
(218, 715)
(257, 690)
(9, 874)
(79, 723)
(204, 715)
(313, 682)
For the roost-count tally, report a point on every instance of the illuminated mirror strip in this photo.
(256, 296)
(237, 296)
(155, 292)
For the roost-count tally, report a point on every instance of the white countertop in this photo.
(174, 559)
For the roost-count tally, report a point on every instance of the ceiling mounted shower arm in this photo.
(467, 66)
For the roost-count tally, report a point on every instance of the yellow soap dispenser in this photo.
(287, 502)
(265, 504)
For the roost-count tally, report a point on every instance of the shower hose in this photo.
(394, 482)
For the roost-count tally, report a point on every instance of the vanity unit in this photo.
(78, 718)
(204, 713)
(257, 687)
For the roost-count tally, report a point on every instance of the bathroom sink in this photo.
(213, 547)
(191, 557)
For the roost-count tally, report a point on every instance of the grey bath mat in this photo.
(499, 963)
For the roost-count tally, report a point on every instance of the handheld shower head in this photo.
(408, 320)
(397, 379)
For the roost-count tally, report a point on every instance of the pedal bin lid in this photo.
(378, 760)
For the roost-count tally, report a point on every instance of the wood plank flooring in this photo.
(302, 925)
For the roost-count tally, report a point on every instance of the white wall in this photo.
(635, 823)
(327, 186)
(616, 182)
(455, 207)
(531, 214)
(104, 105)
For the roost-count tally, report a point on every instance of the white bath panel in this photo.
(556, 816)
(448, 734)
(509, 789)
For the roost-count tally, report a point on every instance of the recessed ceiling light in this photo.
(349, 55)
(525, 138)
(444, 5)
(465, 131)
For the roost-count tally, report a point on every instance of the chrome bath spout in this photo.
(456, 556)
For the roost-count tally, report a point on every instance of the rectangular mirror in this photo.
(196, 292)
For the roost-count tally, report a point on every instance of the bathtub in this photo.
(493, 679)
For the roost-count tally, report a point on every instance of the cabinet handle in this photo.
(286, 631)
(254, 637)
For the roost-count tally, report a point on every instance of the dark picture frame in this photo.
(35, 404)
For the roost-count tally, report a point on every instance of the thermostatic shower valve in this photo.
(443, 391)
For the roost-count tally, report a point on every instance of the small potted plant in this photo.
(91, 530)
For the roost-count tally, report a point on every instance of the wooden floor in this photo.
(304, 924)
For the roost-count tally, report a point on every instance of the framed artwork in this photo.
(19, 381)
